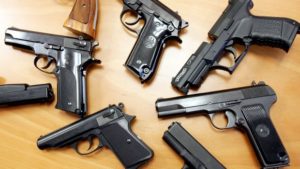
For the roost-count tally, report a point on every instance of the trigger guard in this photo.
(36, 59)
(50, 61)
(76, 144)
(213, 124)
(216, 66)
(231, 50)
(230, 118)
(125, 24)
(176, 38)
(134, 22)
(237, 61)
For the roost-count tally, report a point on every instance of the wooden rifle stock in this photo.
(83, 18)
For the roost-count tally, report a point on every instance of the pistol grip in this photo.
(264, 137)
(71, 94)
(144, 57)
(129, 149)
(274, 32)
(83, 18)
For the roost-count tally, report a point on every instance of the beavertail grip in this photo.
(83, 18)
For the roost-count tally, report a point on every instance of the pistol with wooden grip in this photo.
(161, 24)
(246, 108)
(83, 18)
(70, 56)
(236, 26)
(111, 126)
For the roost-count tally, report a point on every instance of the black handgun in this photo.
(193, 153)
(17, 94)
(246, 108)
(72, 57)
(161, 24)
(236, 26)
(111, 126)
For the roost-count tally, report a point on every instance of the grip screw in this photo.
(241, 121)
(146, 70)
(171, 28)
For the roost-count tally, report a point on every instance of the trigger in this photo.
(91, 143)
(231, 50)
(134, 22)
(50, 61)
(212, 122)
(221, 67)
(231, 119)
(125, 24)
(90, 140)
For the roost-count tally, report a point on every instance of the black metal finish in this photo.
(161, 24)
(246, 108)
(193, 153)
(112, 127)
(236, 26)
(16, 94)
(72, 57)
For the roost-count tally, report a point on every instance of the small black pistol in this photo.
(161, 24)
(236, 26)
(111, 126)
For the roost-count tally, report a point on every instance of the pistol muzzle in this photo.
(164, 108)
